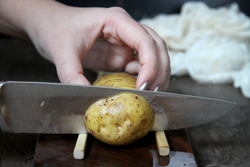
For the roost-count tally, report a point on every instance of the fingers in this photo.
(136, 37)
(153, 58)
(117, 28)
(69, 69)
(133, 67)
(162, 80)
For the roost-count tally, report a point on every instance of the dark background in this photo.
(146, 8)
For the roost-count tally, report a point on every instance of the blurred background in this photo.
(147, 8)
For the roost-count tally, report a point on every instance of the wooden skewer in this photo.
(80, 147)
(162, 143)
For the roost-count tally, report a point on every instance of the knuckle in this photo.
(118, 9)
(167, 73)
(151, 41)
(162, 42)
(166, 70)
(67, 79)
(155, 68)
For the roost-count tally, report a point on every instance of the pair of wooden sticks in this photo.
(81, 143)
(161, 141)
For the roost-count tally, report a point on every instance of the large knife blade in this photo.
(35, 107)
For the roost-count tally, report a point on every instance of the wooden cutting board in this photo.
(57, 150)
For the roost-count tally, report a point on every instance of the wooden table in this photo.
(222, 142)
(56, 150)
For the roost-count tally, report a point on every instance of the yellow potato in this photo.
(120, 119)
(117, 80)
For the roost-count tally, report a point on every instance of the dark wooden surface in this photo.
(224, 142)
(57, 150)
(20, 61)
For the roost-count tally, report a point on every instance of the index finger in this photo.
(135, 36)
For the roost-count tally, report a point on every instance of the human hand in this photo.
(96, 38)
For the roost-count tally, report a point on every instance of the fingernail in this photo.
(144, 86)
(157, 89)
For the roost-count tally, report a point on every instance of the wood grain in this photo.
(17, 149)
(56, 150)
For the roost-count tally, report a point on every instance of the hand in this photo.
(96, 38)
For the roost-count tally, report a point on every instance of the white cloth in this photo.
(211, 45)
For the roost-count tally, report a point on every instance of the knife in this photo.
(40, 107)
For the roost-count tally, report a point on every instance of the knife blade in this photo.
(40, 107)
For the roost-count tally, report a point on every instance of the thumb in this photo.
(70, 70)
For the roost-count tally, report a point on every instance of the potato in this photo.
(120, 119)
(117, 80)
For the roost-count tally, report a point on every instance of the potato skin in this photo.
(117, 80)
(120, 119)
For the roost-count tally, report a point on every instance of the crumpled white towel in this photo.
(211, 45)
